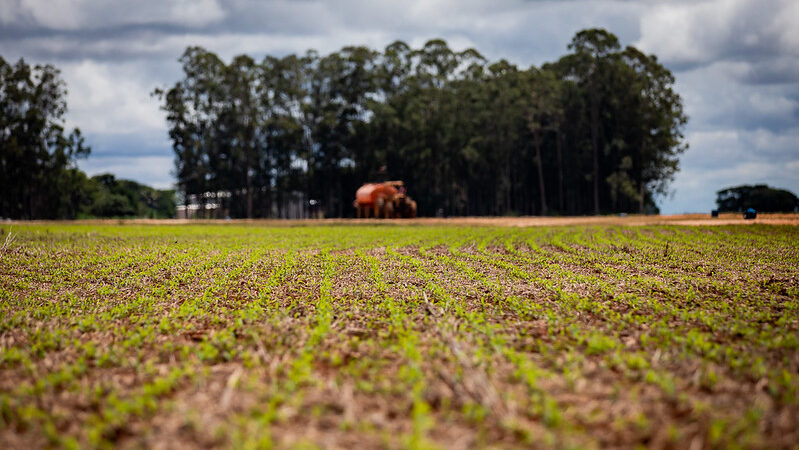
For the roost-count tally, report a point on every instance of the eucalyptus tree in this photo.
(599, 130)
(242, 118)
(506, 98)
(338, 88)
(193, 106)
(656, 124)
(469, 114)
(544, 116)
(434, 66)
(589, 65)
(436, 125)
(282, 91)
(38, 175)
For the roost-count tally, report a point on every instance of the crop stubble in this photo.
(400, 336)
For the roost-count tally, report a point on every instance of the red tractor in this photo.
(384, 200)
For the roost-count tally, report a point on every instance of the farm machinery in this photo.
(384, 200)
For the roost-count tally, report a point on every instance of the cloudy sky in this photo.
(736, 63)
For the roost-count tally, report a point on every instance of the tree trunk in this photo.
(339, 191)
(641, 182)
(30, 203)
(539, 163)
(595, 145)
(249, 192)
(558, 146)
(641, 198)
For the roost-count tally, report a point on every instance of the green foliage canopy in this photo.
(38, 175)
(111, 197)
(39, 178)
(759, 197)
(598, 131)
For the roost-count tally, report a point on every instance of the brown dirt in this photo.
(355, 394)
(525, 221)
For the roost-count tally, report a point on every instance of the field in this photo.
(419, 335)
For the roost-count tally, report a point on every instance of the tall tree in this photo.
(760, 197)
(37, 156)
(656, 123)
(544, 115)
(599, 130)
(244, 122)
(193, 109)
(589, 65)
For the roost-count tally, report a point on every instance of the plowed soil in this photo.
(464, 333)
(527, 221)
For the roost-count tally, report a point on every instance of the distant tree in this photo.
(38, 174)
(544, 115)
(600, 130)
(654, 124)
(194, 110)
(760, 197)
(590, 65)
(112, 197)
(634, 121)
(339, 85)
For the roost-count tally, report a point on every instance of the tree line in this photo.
(759, 197)
(39, 177)
(597, 131)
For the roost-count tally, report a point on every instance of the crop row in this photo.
(399, 336)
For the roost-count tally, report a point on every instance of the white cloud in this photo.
(768, 104)
(110, 98)
(93, 14)
(194, 13)
(695, 190)
(705, 32)
(786, 21)
(715, 97)
(65, 14)
(151, 170)
(726, 157)
(671, 32)
(736, 63)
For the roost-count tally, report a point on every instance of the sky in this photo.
(736, 64)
